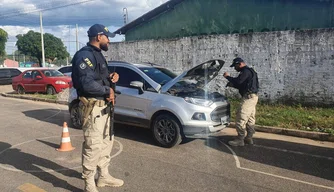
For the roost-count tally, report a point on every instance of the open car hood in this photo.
(197, 77)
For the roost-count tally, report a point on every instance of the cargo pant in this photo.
(245, 117)
(97, 146)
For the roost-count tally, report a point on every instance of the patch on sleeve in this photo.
(89, 63)
(83, 65)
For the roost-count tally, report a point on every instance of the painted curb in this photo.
(267, 129)
(292, 132)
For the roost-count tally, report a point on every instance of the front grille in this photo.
(219, 112)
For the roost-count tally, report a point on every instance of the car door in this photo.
(38, 84)
(131, 107)
(27, 81)
(5, 77)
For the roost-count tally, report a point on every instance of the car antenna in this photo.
(152, 64)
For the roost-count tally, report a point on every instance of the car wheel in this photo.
(167, 130)
(20, 89)
(75, 116)
(50, 90)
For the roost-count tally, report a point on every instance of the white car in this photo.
(66, 70)
(172, 106)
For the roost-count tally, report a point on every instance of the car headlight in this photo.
(60, 82)
(202, 102)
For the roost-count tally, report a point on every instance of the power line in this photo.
(47, 7)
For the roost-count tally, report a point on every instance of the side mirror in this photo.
(139, 85)
(38, 77)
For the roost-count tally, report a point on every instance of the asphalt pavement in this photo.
(31, 131)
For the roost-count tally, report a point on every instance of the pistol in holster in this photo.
(88, 108)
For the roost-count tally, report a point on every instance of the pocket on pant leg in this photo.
(92, 126)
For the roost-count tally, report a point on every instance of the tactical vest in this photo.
(253, 84)
(100, 72)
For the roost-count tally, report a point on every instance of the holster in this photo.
(88, 108)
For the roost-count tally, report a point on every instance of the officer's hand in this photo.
(111, 97)
(114, 77)
(226, 74)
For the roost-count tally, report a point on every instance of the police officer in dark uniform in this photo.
(92, 81)
(248, 85)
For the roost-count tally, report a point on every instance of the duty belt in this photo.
(249, 95)
(100, 103)
(88, 107)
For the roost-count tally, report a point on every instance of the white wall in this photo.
(292, 65)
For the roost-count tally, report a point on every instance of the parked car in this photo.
(6, 75)
(66, 70)
(173, 107)
(41, 80)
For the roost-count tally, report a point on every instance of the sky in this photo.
(60, 18)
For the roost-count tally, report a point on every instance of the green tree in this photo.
(30, 44)
(3, 40)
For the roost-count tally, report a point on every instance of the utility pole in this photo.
(42, 38)
(13, 55)
(69, 39)
(76, 38)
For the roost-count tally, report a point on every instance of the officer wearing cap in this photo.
(92, 81)
(248, 86)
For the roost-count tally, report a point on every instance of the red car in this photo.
(41, 80)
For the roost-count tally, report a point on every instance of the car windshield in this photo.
(52, 73)
(159, 75)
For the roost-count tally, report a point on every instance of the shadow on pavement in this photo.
(54, 116)
(283, 154)
(52, 145)
(139, 134)
(31, 164)
(58, 117)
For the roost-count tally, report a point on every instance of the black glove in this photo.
(229, 84)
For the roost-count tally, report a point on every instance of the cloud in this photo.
(23, 15)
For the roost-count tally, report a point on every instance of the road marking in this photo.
(50, 170)
(295, 152)
(237, 162)
(27, 187)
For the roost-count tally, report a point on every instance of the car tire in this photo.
(50, 90)
(20, 90)
(167, 130)
(75, 115)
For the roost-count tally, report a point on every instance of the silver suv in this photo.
(172, 106)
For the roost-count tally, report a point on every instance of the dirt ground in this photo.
(6, 88)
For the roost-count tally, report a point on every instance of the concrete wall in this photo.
(292, 65)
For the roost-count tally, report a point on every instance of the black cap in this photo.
(99, 29)
(236, 61)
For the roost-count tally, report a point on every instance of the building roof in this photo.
(148, 16)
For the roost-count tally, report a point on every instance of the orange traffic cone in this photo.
(65, 144)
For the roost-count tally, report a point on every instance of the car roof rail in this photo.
(152, 64)
(118, 62)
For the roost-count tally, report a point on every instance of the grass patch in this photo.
(43, 96)
(291, 117)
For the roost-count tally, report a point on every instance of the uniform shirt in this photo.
(90, 73)
(244, 82)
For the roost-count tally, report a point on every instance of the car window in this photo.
(159, 75)
(65, 69)
(27, 75)
(35, 74)
(15, 72)
(52, 73)
(127, 75)
(4, 73)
